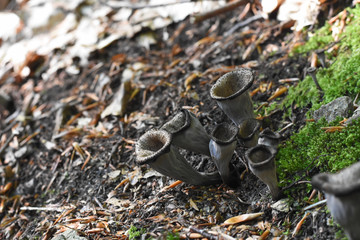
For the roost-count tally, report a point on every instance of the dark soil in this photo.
(54, 178)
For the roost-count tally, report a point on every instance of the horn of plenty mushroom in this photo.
(155, 148)
(262, 163)
(231, 93)
(188, 133)
(342, 192)
(222, 146)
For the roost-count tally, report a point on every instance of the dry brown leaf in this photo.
(193, 205)
(278, 93)
(241, 218)
(157, 218)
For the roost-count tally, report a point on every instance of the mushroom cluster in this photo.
(160, 147)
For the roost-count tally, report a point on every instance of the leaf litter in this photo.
(89, 76)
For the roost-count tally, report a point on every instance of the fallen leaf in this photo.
(241, 218)
(193, 205)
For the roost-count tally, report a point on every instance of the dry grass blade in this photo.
(298, 226)
(278, 93)
(193, 205)
(333, 129)
(242, 218)
(174, 184)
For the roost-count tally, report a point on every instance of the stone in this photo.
(355, 116)
(282, 205)
(341, 106)
(69, 234)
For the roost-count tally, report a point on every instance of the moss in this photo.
(135, 233)
(312, 148)
(341, 77)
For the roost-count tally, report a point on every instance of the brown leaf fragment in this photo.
(298, 226)
(241, 218)
(280, 91)
(157, 218)
(333, 129)
(193, 205)
(174, 184)
(120, 101)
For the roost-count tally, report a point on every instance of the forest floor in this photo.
(67, 153)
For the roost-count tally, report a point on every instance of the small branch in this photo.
(120, 4)
(228, 7)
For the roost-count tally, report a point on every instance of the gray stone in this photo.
(69, 235)
(355, 116)
(341, 106)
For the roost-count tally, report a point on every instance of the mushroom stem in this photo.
(321, 56)
(249, 132)
(342, 191)
(231, 93)
(155, 149)
(269, 138)
(262, 164)
(188, 133)
(312, 72)
(222, 146)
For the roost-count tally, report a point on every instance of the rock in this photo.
(68, 234)
(355, 116)
(282, 205)
(341, 106)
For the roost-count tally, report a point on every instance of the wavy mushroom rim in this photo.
(254, 129)
(322, 181)
(185, 123)
(263, 163)
(231, 132)
(267, 133)
(160, 136)
(233, 76)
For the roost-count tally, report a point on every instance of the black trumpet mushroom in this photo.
(155, 148)
(188, 133)
(222, 146)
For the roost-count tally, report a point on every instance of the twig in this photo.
(243, 24)
(113, 150)
(6, 144)
(298, 226)
(119, 4)
(228, 7)
(211, 236)
(301, 179)
(315, 205)
(53, 209)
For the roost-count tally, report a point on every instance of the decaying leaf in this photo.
(120, 101)
(193, 205)
(242, 218)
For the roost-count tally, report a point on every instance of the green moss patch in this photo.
(342, 76)
(313, 148)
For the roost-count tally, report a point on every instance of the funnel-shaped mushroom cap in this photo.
(249, 132)
(231, 93)
(155, 149)
(269, 138)
(262, 164)
(222, 146)
(188, 133)
(342, 191)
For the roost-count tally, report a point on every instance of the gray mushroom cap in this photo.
(232, 84)
(151, 145)
(231, 94)
(262, 164)
(222, 146)
(188, 133)
(155, 148)
(343, 183)
(224, 133)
